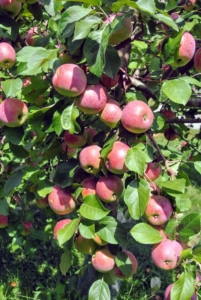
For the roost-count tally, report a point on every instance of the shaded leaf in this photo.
(93, 209)
(65, 263)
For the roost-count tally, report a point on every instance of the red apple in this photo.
(85, 246)
(153, 171)
(27, 227)
(91, 132)
(13, 112)
(115, 160)
(13, 7)
(166, 254)
(197, 60)
(68, 150)
(99, 241)
(189, 5)
(75, 140)
(69, 80)
(158, 210)
(60, 225)
(3, 221)
(119, 274)
(137, 116)
(109, 82)
(92, 100)
(103, 261)
(111, 113)
(168, 291)
(168, 114)
(61, 201)
(171, 134)
(32, 35)
(109, 188)
(89, 186)
(184, 143)
(42, 203)
(7, 55)
(186, 50)
(90, 159)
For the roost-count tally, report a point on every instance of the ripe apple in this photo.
(99, 241)
(109, 188)
(168, 114)
(186, 50)
(61, 201)
(111, 113)
(3, 221)
(92, 100)
(166, 254)
(115, 160)
(13, 7)
(60, 225)
(174, 16)
(184, 143)
(137, 116)
(85, 246)
(171, 134)
(42, 203)
(90, 159)
(91, 132)
(103, 261)
(69, 80)
(197, 60)
(75, 140)
(7, 55)
(168, 291)
(27, 227)
(109, 82)
(121, 34)
(89, 186)
(32, 35)
(158, 210)
(189, 5)
(13, 112)
(153, 171)
(68, 150)
(119, 274)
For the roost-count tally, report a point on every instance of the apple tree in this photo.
(98, 101)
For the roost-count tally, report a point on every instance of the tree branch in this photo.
(183, 121)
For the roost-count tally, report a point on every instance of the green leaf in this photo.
(24, 54)
(146, 6)
(4, 207)
(177, 185)
(11, 87)
(136, 197)
(94, 50)
(124, 263)
(165, 18)
(87, 228)
(66, 233)
(13, 182)
(186, 254)
(39, 58)
(191, 80)
(136, 160)
(83, 27)
(18, 151)
(145, 234)
(159, 121)
(177, 90)
(56, 123)
(37, 113)
(14, 135)
(68, 119)
(65, 263)
(10, 28)
(197, 165)
(93, 209)
(183, 288)
(99, 290)
(51, 7)
(191, 221)
(170, 47)
(64, 173)
(44, 188)
(183, 202)
(90, 2)
(113, 62)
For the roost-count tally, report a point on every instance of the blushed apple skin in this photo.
(3, 221)
(69, 80)
(168, 291)
(103, 261)
(27, 227)
(61, 201)
(118, 273)
(85, 246)
(13, 112)
(89, 186)
(29, 38)
(68, 150)
(186, 50)
(158, 210)
(197, 60)
(111, 113)
(42, 203)
(168, 114)
(137, 116)
(11, 6)
(90, 159)
(75, 140)
(109, 188)
(166, 254)
(92, 100)
(7, 55)
(59, 225)
(153, 171)
(109, 82)
(115, 160)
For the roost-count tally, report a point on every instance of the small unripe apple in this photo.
(7, 55)
(109, 188)
(153, 171)
(3, 221)
(166, 254)
(103, 261)
(197, 60)
(137, 116)
(92, 100)
(158, 210)
(42, 203)
(32, 35)
(109, 82)
(69, 80)
(13, 112)
(168, 114)
(99, 241)
(119, 274)
(90, 159)
(115, 160)
(171, 134)
(111, 113)
(61, 201)
(75, 140)
(27, 228)
(60, 225)
(85, 246)
(89, 186)
(13, 7)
